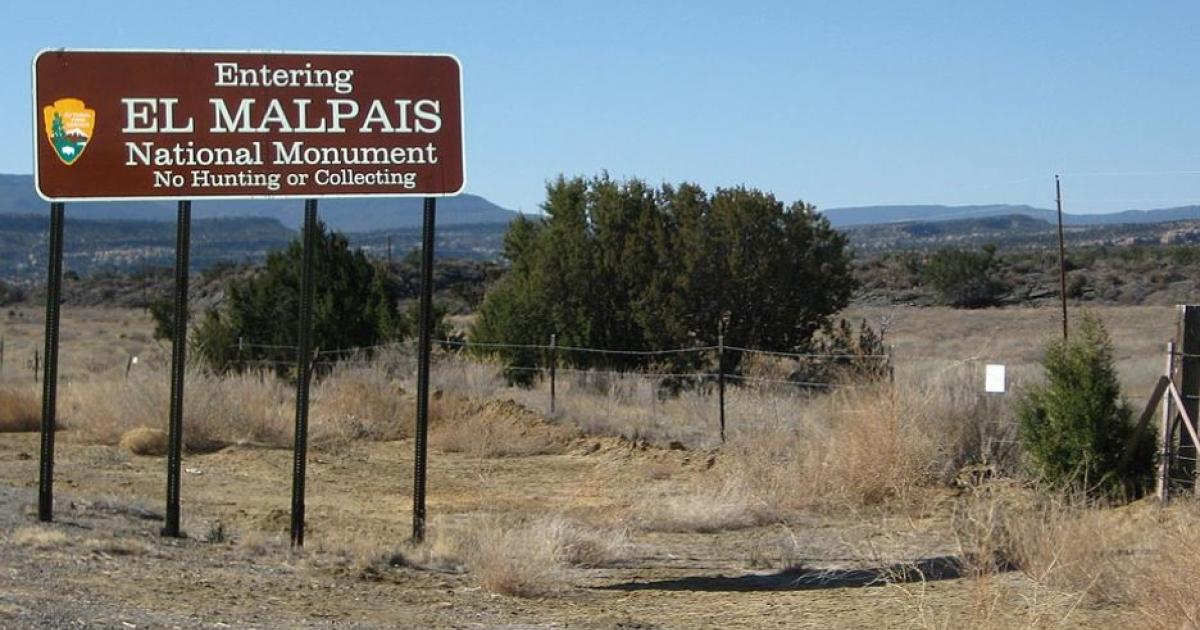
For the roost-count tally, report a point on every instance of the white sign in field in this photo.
(993, 379)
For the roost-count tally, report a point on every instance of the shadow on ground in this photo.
(801, 579)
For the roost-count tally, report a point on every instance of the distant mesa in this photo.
(874, 215)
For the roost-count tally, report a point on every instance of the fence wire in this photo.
(329, 357)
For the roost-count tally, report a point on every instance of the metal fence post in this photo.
(721, 381)
(891, 364)
(304, 362)
(553, 368)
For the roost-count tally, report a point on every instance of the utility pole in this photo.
(1062, 256)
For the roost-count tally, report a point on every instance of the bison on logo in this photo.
(69, 126)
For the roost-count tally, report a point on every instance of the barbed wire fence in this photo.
(777, 371)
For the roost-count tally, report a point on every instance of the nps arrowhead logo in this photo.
(69, 126)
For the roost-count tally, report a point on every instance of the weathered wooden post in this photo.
(1166, 433)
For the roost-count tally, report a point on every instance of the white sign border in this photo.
(202, 198)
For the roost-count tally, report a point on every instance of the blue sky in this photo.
(847, 103)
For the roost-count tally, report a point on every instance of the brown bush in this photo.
(20, 409)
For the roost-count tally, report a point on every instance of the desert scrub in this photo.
(533, 557)
(880, 446)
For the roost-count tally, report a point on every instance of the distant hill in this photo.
(124, 245)
(869, 215)
(368, 214)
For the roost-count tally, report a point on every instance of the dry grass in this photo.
(1165, 569)
(531, 557)
(359, 401)
(364, 556)
(1138, 556)
(120, 547)
(145, 441)
(1037, 560)
(865, 447)
(932, 340)
(780, 551)
(218, 410)
(39, 538)
(583, 545)
(734, 502)
(871, 447)
(518, 561)
(629, 406)
(20, 409)
(363, 400)
(256, 542)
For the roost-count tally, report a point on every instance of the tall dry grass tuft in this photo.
(359, 401)
(878, 445)
(1061, 542)
(532, 557)
(20, 409)
(1164, 567)
(228, 409)
(1033, 559)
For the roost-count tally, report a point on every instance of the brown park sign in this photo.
(133, 124)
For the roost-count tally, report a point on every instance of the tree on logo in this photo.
(56, 129)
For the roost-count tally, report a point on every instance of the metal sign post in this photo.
(423, 351)
(50, 376)
(183, 236)
(303, 373)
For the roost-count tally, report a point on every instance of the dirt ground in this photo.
(102, 563)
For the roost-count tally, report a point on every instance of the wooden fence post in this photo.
(1164, 463)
